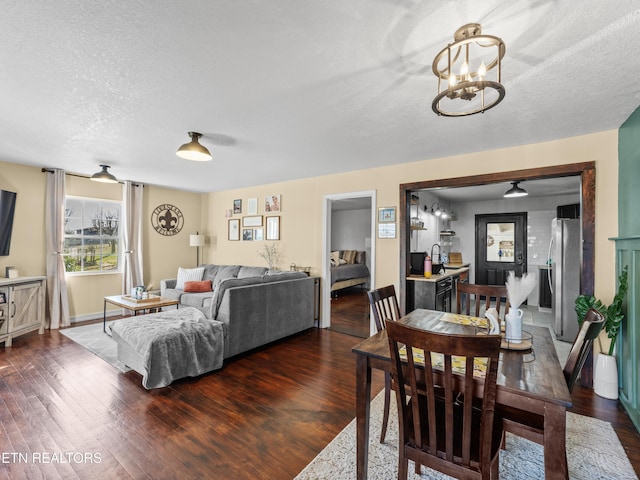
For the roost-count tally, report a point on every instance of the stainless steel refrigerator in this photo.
(565, 252)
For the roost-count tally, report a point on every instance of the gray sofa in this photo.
(256, 306)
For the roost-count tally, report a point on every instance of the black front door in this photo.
(501, 246)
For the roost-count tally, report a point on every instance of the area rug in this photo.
(593, 452)
(97, 342)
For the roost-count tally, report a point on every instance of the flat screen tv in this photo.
(7, 209)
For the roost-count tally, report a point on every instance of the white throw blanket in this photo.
(173, 344)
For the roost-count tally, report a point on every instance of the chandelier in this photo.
(469, 73)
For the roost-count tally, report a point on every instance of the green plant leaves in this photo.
(613, 313)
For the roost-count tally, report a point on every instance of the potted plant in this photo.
(605, 381)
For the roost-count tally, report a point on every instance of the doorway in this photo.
(501, 247)
(368, 198)
(585, 170)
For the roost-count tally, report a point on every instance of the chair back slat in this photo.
(439, 413)
(474, 299)
(582, 345)
(384, 305)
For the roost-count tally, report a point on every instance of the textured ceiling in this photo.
(287, 89)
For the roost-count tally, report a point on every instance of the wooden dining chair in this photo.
(530, 425)
(477, 296)
(384, 305)
(443, 423)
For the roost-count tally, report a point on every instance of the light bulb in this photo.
(452, 80)
(464, 69)
(482, 71)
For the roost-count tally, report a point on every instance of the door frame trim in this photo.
(325, 311)
(587, 172)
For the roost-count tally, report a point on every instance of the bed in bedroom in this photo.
(348, 269)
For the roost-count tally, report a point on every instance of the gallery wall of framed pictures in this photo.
(255, 220)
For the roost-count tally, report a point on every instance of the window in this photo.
(91, 235)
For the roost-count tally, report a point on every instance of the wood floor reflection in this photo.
(350, 312)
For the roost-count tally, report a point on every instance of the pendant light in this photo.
(193, 150)
(104, 176)
(515, 191)
(469, 72)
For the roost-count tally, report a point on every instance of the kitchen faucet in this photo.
(432, 257)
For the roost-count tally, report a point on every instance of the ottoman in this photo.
(166, 346)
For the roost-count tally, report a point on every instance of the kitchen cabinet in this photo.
(568, 211)
(21, 307)
(433, 293)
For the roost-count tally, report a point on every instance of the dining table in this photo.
(530, 378)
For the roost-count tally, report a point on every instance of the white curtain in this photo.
(132, 236)
(54, 224)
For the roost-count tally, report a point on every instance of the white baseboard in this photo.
(94, 316)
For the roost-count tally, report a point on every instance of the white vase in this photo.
(605, 376)
(513, 329)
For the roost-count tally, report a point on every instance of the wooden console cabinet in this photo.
(23, 308)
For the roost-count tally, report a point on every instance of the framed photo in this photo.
(386, 230)
(247, 234)
(252, 206)
(3, 298)
(237, 206)
(254, 221)
(228, 213)
(273, 228)
(258, 234)
(234, 229)
(386, 214)
(272, 203)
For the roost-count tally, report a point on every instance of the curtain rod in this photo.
(48, 170)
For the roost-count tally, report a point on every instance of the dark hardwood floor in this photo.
(350, 312)
(264, 415)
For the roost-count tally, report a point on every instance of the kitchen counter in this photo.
(449, 271)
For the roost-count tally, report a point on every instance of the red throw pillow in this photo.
(197, 286)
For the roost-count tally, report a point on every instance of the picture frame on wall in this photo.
(258, 234)
(234, 229)
(272, 203)
(252, 221)
(386, 214)
(252, 206)
(273, 228)
(237, 206)
(386, 230)
(247, 234)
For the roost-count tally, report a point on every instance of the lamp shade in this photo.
(193, 150)
(196, 240)
(104, 176)
(515, 191)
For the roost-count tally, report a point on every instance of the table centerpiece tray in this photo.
(526, 343)
(151, 298)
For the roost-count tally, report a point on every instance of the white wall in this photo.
(540, 212)
(423, 240)
(350, 230)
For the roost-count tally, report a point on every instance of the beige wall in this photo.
(302, 200)
(28, 245)
(301, 216)
(163, 255)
